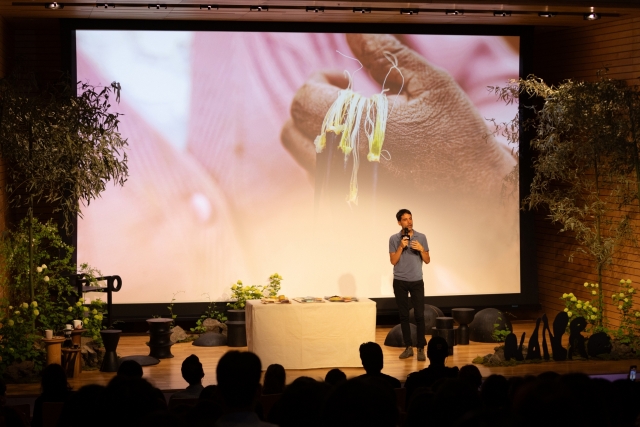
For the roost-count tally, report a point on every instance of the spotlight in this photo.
(208, 7)
(361, 10)
(408, 11)
(157, 6)
(315, 9)
(454, 12)
(502, 13)
(592, 16)
(106, 5)
(546, 14)
(54, 6)
(259, 8)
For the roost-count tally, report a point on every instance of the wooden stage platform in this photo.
(166, 375)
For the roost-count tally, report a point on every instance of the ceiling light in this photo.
(408, 11)
(106, 5)
(502, 13)
(591, 16)
(547, 14)
(454, 12)
(208, 7)
(157, 6)
(361, 10)
(259, 8)
(315, 9)
(54, 6)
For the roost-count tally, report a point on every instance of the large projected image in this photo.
(238, 172)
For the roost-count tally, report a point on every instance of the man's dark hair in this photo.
(371, 356)
(238, 375)
(437, 349)
(192, 371)
(130, 368)
(402, 212)
(335, 377)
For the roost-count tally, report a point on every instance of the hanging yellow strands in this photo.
(344, 118)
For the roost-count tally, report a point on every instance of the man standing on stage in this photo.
(408, 249)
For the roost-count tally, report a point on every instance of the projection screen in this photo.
(226, 182)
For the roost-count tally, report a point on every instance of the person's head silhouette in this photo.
(192, 371)
(238, 375)
(437, 350)
(371, 356)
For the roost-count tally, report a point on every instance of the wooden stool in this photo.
(54, 347)
(72, 361)
(76, 337)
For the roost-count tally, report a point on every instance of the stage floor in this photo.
(166, 375)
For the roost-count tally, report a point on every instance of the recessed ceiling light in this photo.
(409, 11)
(315, 9)
(454, 12)
(259, 8)
(54, 6)
(502, 13)
(591, 16)
(361, 10)
(157, 6)
(546, 14)
(208, 7)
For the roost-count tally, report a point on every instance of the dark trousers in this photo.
(416, 289)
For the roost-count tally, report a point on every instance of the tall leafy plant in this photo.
(59, 147)
(586, 166)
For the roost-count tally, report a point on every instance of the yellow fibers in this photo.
(344, 118)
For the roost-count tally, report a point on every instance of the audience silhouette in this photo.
(192, 373)
(130, 368)
(275, 379)
(437, 352)
(437, 396)
(372, 362)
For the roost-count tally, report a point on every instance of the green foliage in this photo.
(90, 273)
(590, 310)
(499, 335)
(629, 330)
(59, 147)
(91, 315)
(586, 138)
(170, 308)
(18, 338)
(51, 280)
(241, 293)
(210, 313)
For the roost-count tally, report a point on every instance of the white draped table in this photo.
(312, 335)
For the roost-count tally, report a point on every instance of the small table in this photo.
(72, 361)
(76, 336)
(160, 338)
(110, 338)
(310, 335)
(54, 347)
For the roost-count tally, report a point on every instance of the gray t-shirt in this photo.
(409, 267)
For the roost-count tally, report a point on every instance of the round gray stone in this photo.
(210, 339)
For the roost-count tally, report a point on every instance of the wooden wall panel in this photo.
(579, 53)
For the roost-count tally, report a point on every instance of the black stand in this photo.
(110, 338)
(463, 316)
(236, 328)
(160, 338)
(444, 328)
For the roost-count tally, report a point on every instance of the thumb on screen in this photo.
(419, 75)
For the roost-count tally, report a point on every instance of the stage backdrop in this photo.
(225, 182)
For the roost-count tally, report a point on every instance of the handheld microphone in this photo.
(405, 235)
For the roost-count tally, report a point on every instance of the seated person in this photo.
(192, 373)
(335, 377)
(372, 362)
(10, 417)
(238, 375)
(437, 352)
(130, 368)
(275, 379)
(55, 388)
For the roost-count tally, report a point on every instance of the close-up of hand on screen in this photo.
(435, 138)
